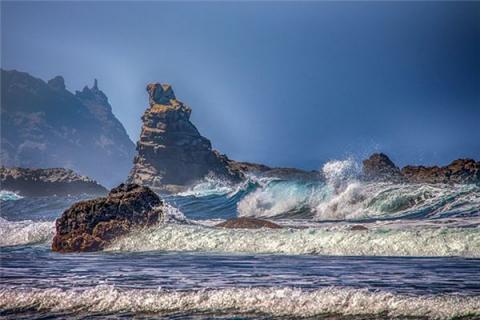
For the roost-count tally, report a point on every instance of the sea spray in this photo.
(25, 232)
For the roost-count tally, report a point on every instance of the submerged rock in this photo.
(462, 171)
(47, 182)
(248, 223)
(90, 225)
(171, 151)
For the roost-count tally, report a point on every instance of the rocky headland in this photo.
(43, 125)
(90, 225)
(461, 171)
(47, 182)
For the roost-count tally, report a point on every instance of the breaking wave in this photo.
(313, 241)
(342, 196)
(277, 302)
(13, 233)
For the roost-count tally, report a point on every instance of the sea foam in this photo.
(316, 241)
(274, 301)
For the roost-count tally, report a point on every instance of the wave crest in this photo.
(107, 299)
(316, 241)
(13, 233)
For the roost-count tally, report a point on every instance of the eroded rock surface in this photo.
(47, 182)
(90, 225)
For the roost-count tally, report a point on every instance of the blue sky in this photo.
(290, 84)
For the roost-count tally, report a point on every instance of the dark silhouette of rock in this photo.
(379, 167)
(90, 225)
(47, 182)
(262, 170)
(43, 125)
(171, 151)
(248, 223)
(461, 171)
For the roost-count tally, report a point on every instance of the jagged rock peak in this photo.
(92, 93)
(57, 83)
(160, 93)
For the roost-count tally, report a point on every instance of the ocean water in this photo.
(348, 250)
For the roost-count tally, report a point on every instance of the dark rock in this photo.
(464, 171)
(248, 223)
(171, 151)
(90, 225)
(46, 126)
(266, 171)
(379, 167)
(47, 182)
(358, 227)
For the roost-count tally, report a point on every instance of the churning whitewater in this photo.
(272, 301)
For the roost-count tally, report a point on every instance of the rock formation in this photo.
(90, 225)
(379, 167)
(459, 171)
(171, 151)
(462, 171)
(43, 125)
(47, 182)
(248, 223)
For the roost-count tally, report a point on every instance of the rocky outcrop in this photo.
(262, 170)
(171, 153)
(43, 125)
(379, 167)
(90, 225)
(248, 223)
(461, 171)
(47, 182)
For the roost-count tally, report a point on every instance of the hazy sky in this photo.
(292, 84)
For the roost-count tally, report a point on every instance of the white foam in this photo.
(9, 195)
(316, 241)
(24, 232)
(272, 301)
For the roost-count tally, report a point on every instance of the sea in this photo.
(348, 249)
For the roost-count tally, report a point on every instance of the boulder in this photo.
(47, 182)
(248, 223)
(90, 225)
(171, 153)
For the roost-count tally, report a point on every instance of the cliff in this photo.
(44, 125)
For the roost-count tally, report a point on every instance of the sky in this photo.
(282, 83)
